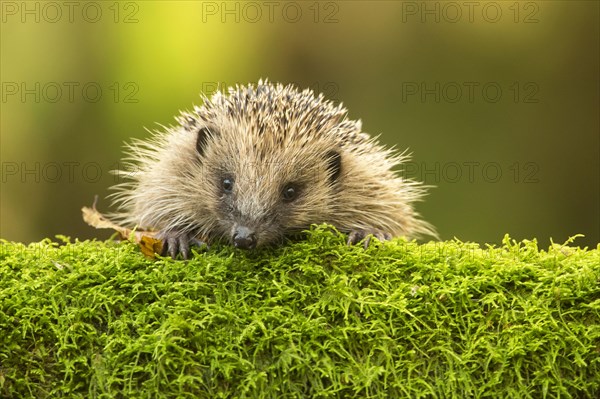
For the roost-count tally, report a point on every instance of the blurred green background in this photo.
(497, 101)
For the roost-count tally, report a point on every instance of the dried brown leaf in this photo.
(146, 240)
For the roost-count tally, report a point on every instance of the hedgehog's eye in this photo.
(290, 192)
(227, 184)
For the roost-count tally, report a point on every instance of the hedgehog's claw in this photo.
(175, 243)
(358, 235)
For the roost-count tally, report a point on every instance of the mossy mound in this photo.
(310, 319)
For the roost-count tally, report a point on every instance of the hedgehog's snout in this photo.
(244, 238)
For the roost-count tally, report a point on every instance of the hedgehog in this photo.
(260, 163)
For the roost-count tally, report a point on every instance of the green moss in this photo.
(310, 319)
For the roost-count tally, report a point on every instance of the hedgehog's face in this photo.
(266, 194)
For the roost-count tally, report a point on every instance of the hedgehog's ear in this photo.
(334, 165)
(202, 139)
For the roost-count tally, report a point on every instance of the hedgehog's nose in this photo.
(244, 238)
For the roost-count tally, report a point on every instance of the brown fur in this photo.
(263, 137)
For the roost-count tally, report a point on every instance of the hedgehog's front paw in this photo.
(358, 235)
(175, 243)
